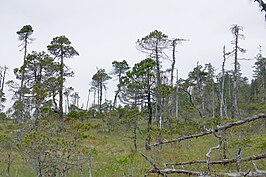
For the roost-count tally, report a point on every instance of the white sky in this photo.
(106, 30)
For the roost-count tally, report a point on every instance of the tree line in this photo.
(151, 84)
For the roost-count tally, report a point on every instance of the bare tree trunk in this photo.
(236, 32)
(88, 100)
(177, 99)
(2, 81)
(159, 82)
(222, 100)
(174, 61)
(90, 166)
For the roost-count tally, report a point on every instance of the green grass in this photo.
(113, 155)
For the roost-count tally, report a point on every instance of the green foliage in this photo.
(119, 68)
(25, 32)
(99, 83)
(138, 83)
(61, 47)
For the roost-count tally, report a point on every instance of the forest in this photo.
(211, 123)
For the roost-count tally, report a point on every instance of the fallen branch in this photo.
(263, 172)
(154, 169)
(196, 173)
(225, 161)
(221, 128)
(172, 171)
(208, 155)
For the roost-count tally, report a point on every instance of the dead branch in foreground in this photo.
(196, 173)
(221, 128)
(223, 162)
(164, 172)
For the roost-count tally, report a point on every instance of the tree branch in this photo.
(224, 161)
(221, 128)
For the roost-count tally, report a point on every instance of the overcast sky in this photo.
(106, 30)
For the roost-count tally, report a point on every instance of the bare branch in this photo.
(221, 128)
(224, 161)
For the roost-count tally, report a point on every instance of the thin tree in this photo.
(260, 76)
(61, 49)
(24, 35)
(137, 87)
(99, 82)
(236, 31)
(3, 71)
(223, 105)
(154, 45)
(119, 68)
(174, 42)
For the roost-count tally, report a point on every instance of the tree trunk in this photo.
(100, 97)
(90, 166)
(149, 120)
(235, 74)
(3, 79)
(158, 94)
(8, 165)
(23, 68)
(177, 99)
(222, 100)
(61, 84)
(173, 63)
(115, 99)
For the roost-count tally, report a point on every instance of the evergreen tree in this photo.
(61, 49)
(99, 82)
